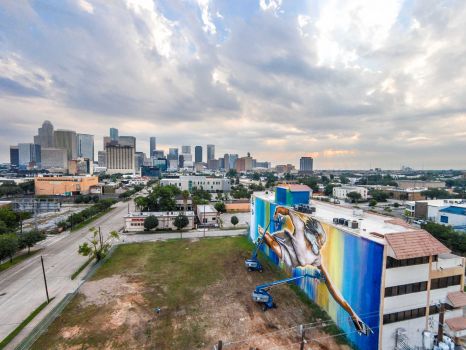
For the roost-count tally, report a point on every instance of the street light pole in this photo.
(45, 279)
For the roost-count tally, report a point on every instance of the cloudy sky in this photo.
(354, 83)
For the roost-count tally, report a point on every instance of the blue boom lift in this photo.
(262, 296)
(253, 263)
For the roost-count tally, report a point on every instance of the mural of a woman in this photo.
(299, 244)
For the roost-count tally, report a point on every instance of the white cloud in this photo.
(86, 6)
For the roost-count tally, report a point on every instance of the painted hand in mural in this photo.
(299, 244)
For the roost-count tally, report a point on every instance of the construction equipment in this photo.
(253, 263)
(262, 296)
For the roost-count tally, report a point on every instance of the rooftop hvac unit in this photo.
(335, 221)
(354, 224)
(341, 221)
(347, 223)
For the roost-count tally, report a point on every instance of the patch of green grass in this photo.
(17, 260)
(91, 219)
(23, 324)
(82, 267)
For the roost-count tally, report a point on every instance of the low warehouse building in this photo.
(134, 222)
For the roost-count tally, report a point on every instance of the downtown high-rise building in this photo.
(66, 139)
(120, 159)
(172, 154)
(127, 141)
(29, 153)
(186, 149)
(86, 146)
(152, 146)
(14, 156)
(210, 152)
(306, 164)
(44, 136)
(54, 158)
(113, 134)
(198, 154)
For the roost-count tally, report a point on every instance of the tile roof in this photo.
(457, 299)
(414, 244)
(456, 323)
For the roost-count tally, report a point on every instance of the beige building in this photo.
(63, 185)
(134, 222)
(120, 159)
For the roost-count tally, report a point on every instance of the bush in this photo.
(372, 203)
(30, 238)
(181, 221)
(220, 207)
(234, 220)
(150, 223)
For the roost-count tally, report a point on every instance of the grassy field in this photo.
(202, 289)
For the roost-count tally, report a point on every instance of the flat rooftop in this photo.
(158, 214)
(371, 226)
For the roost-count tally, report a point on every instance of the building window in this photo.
(404, 315)
(445, 282)
(444, 219)
(391, 262)
(406, 289)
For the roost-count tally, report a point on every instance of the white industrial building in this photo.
(188, 182)
(342, 191)
(134, 222)
(207, 214)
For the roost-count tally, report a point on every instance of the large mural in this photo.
(350, 266)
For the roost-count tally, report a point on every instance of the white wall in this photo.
(404, 302)
(414, 329)
(406, 274)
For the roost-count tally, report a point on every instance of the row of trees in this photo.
(10, 188)
(127, 194)
(87, 213)
(11, 243)
(151, 222)
(454, 240)
(86, 199)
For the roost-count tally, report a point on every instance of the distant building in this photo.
(102, 158)
(134, 222)
(86, 146)
(221, 163)
(212, 164)
(210, 152)
(198, 154)
(181, 161)
(158, 154)
(207, 215)
(127, 141)
(44, 137)
(139, 158)
(186, 149)
(172, 154)
(244, 164)
(342, 191)
(161, 163)
(284, 168)
(152, 145)
(81, 166)
(189, 182)
(407, 184)
(226, 161)
(63, 185)
(151, 171)
(265, 165)
(29, 154)
(306, 164)
(120, 159)
(14, 156)
(454, 215)
(113, 134)
(54, 158)
(172, 164)
(66, 139)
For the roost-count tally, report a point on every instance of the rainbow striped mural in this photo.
(354, 265)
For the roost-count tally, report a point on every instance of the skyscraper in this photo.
(66, 139)
(198, 154)
(113, 134)
(127, 141)
(86, 146)
(306, 164)
(210, 152)
(186, 149)
(120, 159)
(153, 146)
(14, 156)
(172, 154)
(44, 136)
(29, 153)
(53, 158)
(102, 158)
(226, 161)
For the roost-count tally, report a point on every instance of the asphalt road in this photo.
(22, 286)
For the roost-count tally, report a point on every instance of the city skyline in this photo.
(353, 84)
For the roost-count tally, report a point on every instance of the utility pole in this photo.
(203, 219)
(45, 279)
(220, 345)
(301, 330)
(441, 319)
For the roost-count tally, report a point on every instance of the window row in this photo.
(391, 262)
(445, 282)
(404, 315)
(406, 289)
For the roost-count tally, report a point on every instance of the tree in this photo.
(436, 193)
(3, 228)
(232, 173)
(141, 202)
(354, 196)
(98, 247)
(234, 220)
(372, 203)
(220, 207)
(379, 196)
(181, 221)
(344, 179)
(30, 238)
(150, 223)
(8, 217)
(185, 195)
(328, 191)
(8, 246)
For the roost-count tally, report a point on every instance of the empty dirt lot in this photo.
(203, 291)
